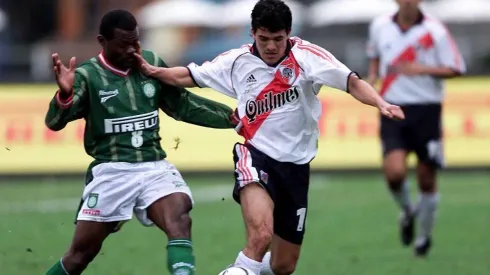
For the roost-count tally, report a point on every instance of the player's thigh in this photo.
(428, 143)
(395, 147)
(291, 201)
(111, 194)
(284, 255)
(290, 215)
(165, 199)
(252, 190)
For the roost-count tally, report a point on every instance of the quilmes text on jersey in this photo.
(131, 123)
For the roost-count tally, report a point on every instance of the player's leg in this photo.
(86, 244)
(257, 211)
(430, 154)
(256, 205)
(291, 205)
(172, 215)
(166, 201)
(426, 207)
(395, 151)
(107, 202)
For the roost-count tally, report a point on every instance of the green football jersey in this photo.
(121, 110)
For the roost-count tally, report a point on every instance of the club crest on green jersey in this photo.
(92, 200)
(149, 90)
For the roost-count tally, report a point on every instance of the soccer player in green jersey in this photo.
(120, 106)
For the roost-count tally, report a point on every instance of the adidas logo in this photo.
(251, 79)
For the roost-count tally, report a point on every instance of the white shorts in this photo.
(119, 188)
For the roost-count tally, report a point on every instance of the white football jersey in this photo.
(278, 106)
(428, 42)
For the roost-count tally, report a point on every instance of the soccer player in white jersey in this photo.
(412, 53)
(276, 81)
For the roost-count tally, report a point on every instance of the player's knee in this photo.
(426, 177)
(283, 268)
(179, 226)
(395, 176)
(395, 170)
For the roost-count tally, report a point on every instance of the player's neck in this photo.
(408, 19)
(106, 63)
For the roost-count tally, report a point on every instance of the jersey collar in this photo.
(105, 63)
(289, 45)
(419, 20)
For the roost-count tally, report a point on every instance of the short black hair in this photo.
(117, 19)
(273, 15)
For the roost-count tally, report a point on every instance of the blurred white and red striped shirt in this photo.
(428, 42)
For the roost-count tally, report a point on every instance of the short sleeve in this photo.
(372, 44)
(322, 68)
(448, 54)
(216, 74)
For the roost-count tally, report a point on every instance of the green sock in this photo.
(57, 269)
(180, 257)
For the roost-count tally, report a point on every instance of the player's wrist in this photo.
(64, 99)
(381, 103)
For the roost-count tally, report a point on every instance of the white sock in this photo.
(402, 197)
(427, 207)
(246, 262)
(266, 265)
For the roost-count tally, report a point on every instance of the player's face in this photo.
(271, 45)
(121, 48)
(408, 5)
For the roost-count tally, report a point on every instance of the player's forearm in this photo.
(364, 92)
(176, 76)
(64, 108)
(58, 111)
(441, 72)
(207, 113)
(373, 71)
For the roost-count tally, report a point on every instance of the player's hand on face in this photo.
(144, 66)
(65, 77)
(392, 111)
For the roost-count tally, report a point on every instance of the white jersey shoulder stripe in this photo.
(454, 48)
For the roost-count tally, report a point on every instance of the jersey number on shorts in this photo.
(301, 213)
(137, 139)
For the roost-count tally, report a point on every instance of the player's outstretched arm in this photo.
(70, 101)
(183, 105)
(176, 76)
(366, 94)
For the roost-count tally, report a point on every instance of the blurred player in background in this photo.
(130, 173)
(412, 53)
(276, 81)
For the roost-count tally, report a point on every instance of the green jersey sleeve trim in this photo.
(58, 116)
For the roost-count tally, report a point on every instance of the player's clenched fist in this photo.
(65, 77)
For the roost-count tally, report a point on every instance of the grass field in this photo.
(351, 229)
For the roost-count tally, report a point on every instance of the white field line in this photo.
(208, 194)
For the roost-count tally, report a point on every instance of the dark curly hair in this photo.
(273, 15)
(116, 19)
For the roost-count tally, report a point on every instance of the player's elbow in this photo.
(354, 84)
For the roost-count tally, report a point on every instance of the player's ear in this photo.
(101, 40)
